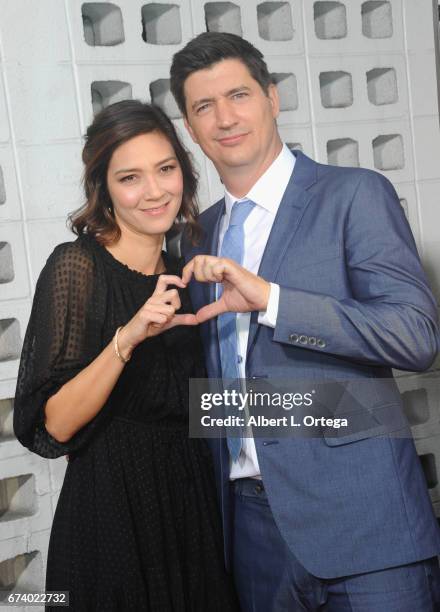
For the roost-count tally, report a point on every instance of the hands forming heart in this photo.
(242, 290)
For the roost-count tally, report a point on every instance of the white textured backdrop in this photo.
(359, 86)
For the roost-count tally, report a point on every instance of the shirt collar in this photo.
(270, 187)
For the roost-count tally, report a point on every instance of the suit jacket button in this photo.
(321, 343)
(312, 341)
(303, 339)
(293, 337)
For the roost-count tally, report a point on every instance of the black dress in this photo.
(137, 525)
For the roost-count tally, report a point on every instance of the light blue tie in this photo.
(232, 248)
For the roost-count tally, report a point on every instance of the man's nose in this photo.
(225, 115)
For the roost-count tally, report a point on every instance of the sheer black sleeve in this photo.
(64, 335)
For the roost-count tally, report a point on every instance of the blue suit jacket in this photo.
(354, 303)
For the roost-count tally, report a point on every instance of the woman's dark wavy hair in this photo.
(114, 125)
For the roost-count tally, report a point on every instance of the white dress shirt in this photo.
(267, 194)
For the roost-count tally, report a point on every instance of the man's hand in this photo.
(242, 290)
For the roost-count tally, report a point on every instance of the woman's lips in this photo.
(157, 210)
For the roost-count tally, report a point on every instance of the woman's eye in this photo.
(167, 169)
(128, 179)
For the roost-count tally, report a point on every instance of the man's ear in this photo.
(190, 130)
(274, 98)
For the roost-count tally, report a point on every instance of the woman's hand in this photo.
(155, 316)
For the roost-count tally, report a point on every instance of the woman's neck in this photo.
(140, 253)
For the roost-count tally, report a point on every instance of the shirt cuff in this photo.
(269, 316)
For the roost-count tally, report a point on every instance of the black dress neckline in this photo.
(122, 268)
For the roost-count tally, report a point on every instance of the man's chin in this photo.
(237, 161)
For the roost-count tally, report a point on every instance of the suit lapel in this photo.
(287, 220)
(209, 292)
(212, 248)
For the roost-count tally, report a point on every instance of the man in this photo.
(330, 288)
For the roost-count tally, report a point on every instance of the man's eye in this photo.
(202, 108)
(240, 94)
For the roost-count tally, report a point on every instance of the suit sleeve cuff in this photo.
(269, 316)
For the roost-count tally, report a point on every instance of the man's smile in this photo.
(232, 140)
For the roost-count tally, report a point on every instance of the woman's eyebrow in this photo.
(160, 163)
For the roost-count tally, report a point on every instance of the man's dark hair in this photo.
(208, 49)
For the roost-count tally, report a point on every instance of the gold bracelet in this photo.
(118, 354)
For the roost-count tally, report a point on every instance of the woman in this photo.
(108, 353)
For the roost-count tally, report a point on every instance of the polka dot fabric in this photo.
(137, 525)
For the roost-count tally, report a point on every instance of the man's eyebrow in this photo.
(201, 101)
(230, 92)
(237, 90)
